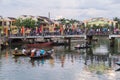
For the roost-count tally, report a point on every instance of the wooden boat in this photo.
(82, 47)
(60, 44)
(37, 45)
(19, 54)
(118, 63)
(48, 54)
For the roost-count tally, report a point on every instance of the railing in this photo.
(60, 35)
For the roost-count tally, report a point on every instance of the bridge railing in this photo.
(61, 34)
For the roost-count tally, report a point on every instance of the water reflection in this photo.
(97, 63)
(101, 50)
(42, 61)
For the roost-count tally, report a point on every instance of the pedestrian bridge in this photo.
(60, 36)
(48, 36)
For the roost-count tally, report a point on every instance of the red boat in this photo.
(41, 44)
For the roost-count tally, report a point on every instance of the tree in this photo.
(117, 19)
(29, 23)
(19, 22)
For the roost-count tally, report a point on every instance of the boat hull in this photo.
(37, 45)
(48, 54)
(118, 63)
(82, 47)
(19, 54)
(41, 57)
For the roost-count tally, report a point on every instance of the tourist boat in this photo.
(118, 63)
(37, 45)
(19, 54)
(48, 54)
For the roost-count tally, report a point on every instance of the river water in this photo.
(97, 63)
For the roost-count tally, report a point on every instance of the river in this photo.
(96, 63)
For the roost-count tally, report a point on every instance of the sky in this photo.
(71, 9)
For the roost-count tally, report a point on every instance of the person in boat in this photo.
(50, 51)
(42, 52)
(37, 53)
(83, 45)
(24, 51)
(16, 50)
(78, 45)
(33, 52)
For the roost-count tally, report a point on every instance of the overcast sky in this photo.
(72, 9)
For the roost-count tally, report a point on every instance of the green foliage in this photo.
(18, 23)
(28, 23)
(117, 19)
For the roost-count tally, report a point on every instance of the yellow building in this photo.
(99, 22)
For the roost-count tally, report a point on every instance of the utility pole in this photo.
(49, 15)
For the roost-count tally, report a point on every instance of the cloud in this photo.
(76, 9)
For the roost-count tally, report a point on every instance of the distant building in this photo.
(8, 22)
(28, 16)
(44, 20)
(100, 21)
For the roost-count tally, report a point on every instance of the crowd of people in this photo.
(62, 31)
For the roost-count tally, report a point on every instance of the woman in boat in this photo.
(16, 50)
(33, 52)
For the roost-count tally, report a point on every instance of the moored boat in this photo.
(82, 47)
(37, 45)
(60, 44)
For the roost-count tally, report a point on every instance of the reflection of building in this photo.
(102, 50)
(98, 55)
